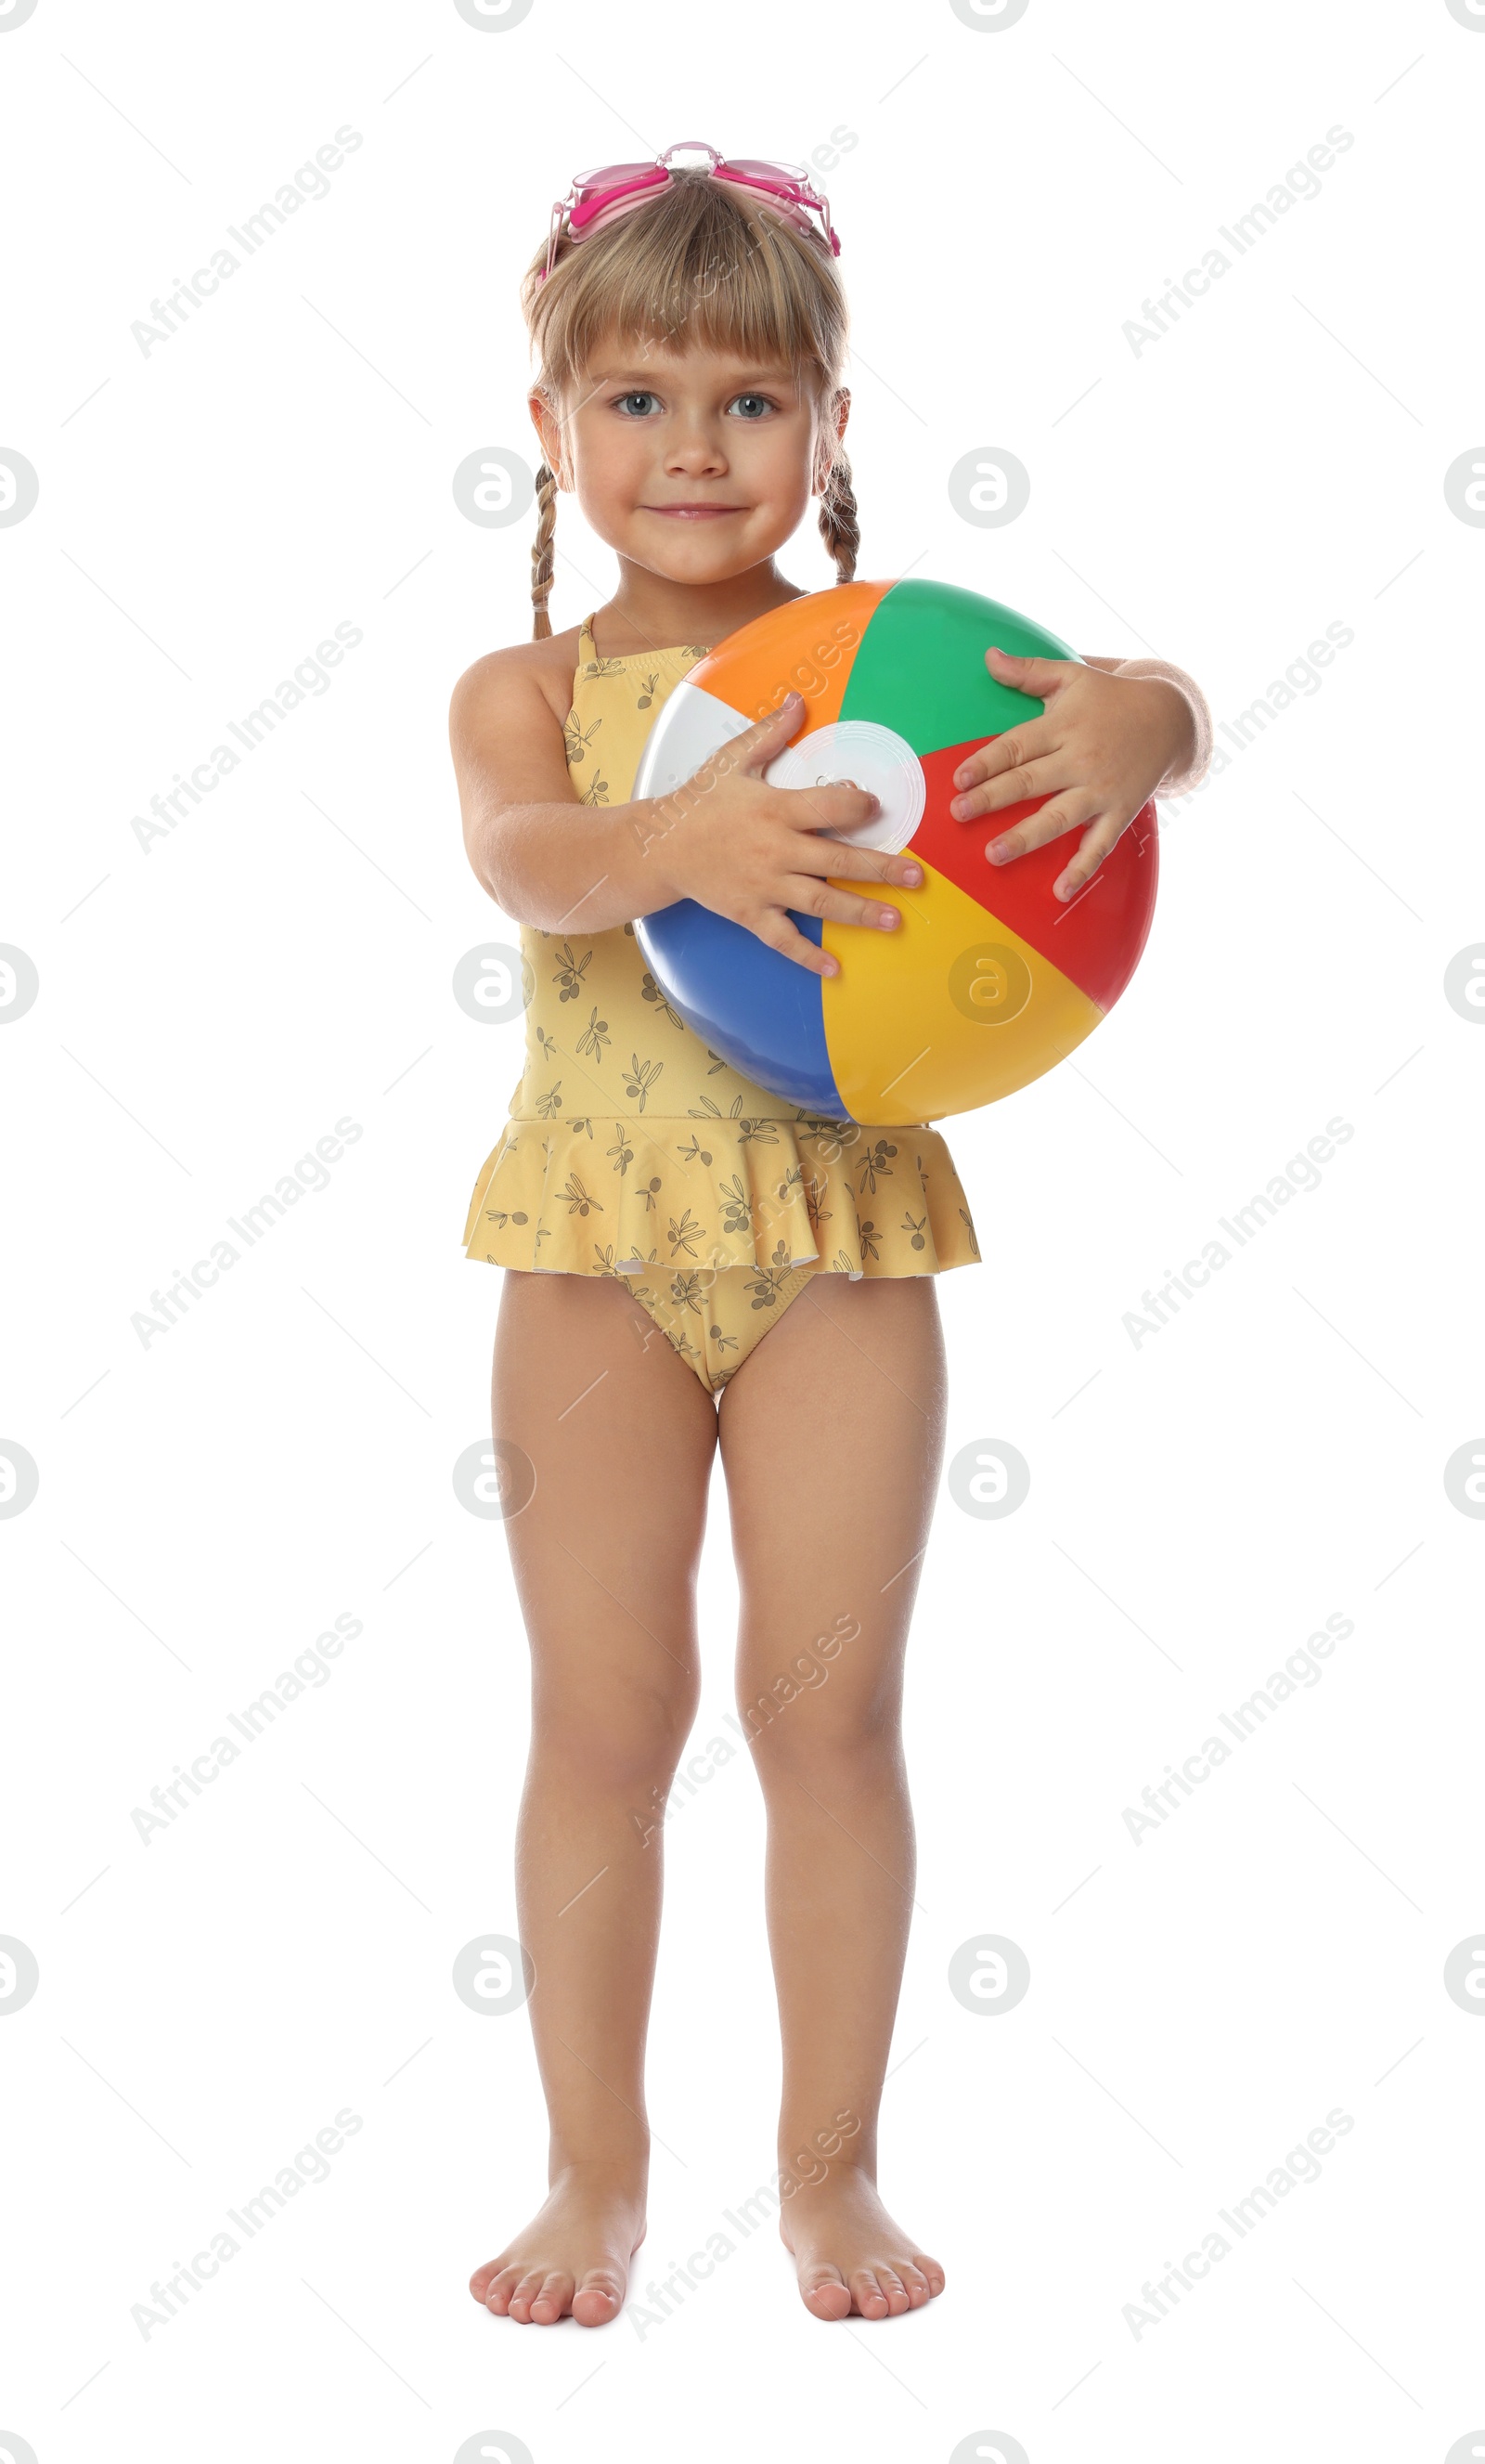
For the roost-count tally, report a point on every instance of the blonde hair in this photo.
(697, 263)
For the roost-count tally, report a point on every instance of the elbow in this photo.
(483, 846)
(492, 845)
(478, 854)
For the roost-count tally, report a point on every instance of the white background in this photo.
(207, 1011)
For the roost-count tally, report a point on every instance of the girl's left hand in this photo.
(1100, 747)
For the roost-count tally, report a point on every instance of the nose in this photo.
(695, 452)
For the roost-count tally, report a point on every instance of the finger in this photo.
(831, 906)
(1007, 751)
(1093, 847)
(752, 750)
(1016, 787)
(831, 859)
(780, 934)
(1065, 812)
(769, 737)
(835, 806)
(1041, 678)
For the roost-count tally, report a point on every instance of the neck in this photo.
(659, 613)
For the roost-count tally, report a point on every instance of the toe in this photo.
(930, 2270)
(483, 2278)
(914, 2283)
(896, 2291)
(525, 2293)
(599, 2298)
(499, 2289)
(870, 2299)
(825, 2291)
(551, 2301)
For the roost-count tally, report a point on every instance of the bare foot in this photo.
(850, 2255)
(574, 2255)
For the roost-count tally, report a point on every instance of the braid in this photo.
(541, 557)
(838, 525)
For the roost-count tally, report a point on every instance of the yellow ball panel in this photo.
(950, 1011)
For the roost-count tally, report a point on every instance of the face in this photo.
(694, 464)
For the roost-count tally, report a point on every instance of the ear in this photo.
(550, 433)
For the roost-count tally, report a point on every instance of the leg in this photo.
(620, 1435)
(832, 1436)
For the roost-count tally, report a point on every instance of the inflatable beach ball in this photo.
(989, 981)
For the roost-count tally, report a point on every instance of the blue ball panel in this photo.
(752, 1004)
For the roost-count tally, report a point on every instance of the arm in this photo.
(746, 850)
(544, 858)
(1182, 775)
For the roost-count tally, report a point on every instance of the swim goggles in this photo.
(599, 198)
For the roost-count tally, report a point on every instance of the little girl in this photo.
(693, 1262)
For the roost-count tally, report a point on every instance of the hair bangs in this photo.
(696, 268)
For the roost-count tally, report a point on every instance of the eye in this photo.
(626, 403)
(753, 406)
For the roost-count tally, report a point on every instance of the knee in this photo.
(615, 1739)
(794, 1732)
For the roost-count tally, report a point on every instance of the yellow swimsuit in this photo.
(633, 1150)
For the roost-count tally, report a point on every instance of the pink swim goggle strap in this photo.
(599, 198)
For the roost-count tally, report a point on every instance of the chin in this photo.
(700, 566)
(699, 553)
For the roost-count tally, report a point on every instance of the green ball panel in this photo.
(920, 666)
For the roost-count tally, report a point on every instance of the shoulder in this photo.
(519, 679)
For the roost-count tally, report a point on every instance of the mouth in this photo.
(694, 513)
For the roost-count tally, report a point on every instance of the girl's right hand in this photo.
(748, 851)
